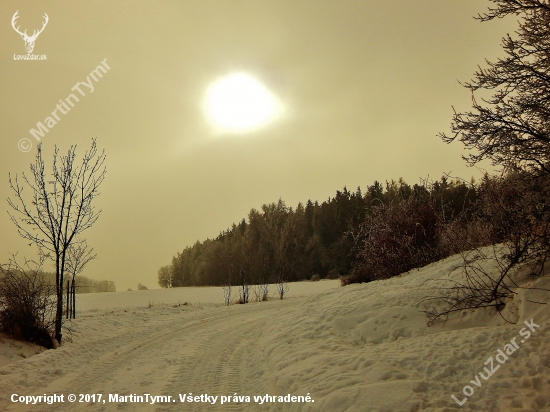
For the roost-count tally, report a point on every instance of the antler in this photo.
(15, 17)
(35, 33)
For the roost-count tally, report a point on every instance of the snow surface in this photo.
(358, 348)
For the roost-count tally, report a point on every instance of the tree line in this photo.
(313, 240)
(83, 283)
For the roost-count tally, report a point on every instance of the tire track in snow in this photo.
(228, 363)
(210, 352)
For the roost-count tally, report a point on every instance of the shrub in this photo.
(27, 304)
(397, 237)
(261, 292)
(333, 274)
(465, 233)
(353, 277)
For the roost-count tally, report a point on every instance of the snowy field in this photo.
(358, 348)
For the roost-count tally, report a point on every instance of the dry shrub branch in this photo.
(514, 217)
(398, 236)
(27, 303)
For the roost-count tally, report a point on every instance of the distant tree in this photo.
(375, 192)
(240, 255)
(316, 255)
(165, 277)
(60, 208)
(87, 285)
(309, 212)
(103, 286)
(142, 287)
(512, 128)
(295, 235)
(273, 246)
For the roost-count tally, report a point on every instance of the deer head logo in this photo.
(29, 40)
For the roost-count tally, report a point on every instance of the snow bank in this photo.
(367, 348)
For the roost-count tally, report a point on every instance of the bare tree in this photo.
(282, 286)
(244, 290)
(262, 289)
(512, 128)
(515, 213)
(78, 256)
(227, 293)
(59, 210)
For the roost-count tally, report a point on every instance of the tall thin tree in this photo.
(59, 210)
(78, 256)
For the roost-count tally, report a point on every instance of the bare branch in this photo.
(59, 211)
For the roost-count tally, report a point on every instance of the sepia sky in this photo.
(362, 89)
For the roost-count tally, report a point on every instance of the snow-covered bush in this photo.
(27, 304)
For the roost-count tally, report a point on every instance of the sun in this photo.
(240, 103)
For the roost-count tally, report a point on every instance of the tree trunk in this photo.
(59, 308)
(59, 316)
(74, 299)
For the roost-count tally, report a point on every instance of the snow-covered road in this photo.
(162, 350)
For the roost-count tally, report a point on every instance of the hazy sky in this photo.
(364, 88)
